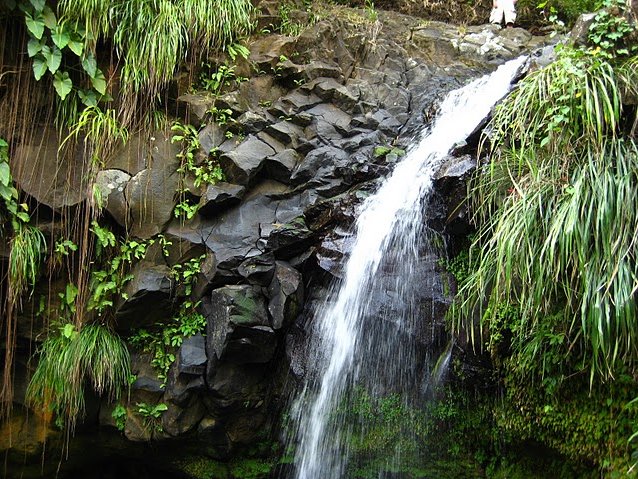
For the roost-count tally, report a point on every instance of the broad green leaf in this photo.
(76, 45)
(62, 84)
(68, 330)
(22, 216)
(60, 37)
(35, 25)
(38, 4)
(49, 18)
(34, 47)
(88, 97)
(3, 143)
(53, 56)
(99, 82)
(90, 65)
(5, 174)
(39, 66)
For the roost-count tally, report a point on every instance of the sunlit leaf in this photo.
(99, 82)
(35, 25)
(60, 37)
(63, 84)
(90, 65)
(39, 66)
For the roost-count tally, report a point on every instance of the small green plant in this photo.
(206, 172)
(610, 31)
(165, 338)
(70, 359)
(119, 415)
(152, 413)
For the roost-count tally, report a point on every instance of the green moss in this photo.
(203, 468)
(251, 469)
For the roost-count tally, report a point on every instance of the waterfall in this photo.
(363, 336)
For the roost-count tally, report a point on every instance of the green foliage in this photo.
(108, 282)
(251, 469)
(206, 171)
(70, 359)
(152, 413)
(548, 204)
(55, 44)
(27, 246)
(100, 131)
(566, 11)
(162, 341)
(119, 414)
(153, 36)
(611, 30)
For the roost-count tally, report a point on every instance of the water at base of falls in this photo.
(369, 363)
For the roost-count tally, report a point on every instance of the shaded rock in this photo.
(51, 177)
(258, 270)
(328, 89)
(146, 379)
(111, 184)
(218, 197)
(456, 167)
(286, 132)
(132, 157)
(179, 420)
(237, 384)
(281, 166)
(319, 164)
(319, 69)
(286, 295)
(243, 163)
(206, 276)
(180, 388)
(193, 108)
(211, 137)
(191, 358)
(580, 30)
(237, 325)
(290, 239)
(253, 122)
(151, 192)
(148, 297)
(296, 101)
(333, 115)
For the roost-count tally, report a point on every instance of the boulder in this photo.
(219, 197)
(148, 297)
(258, 270)
(54, 178)
(151, 192)
(111, 184)
(243, 163)
(286, 295)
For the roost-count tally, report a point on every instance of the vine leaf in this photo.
(99, 82)
(90, 65)
(39, 66)
(76, 45)
(38, 4)
(63, 84)
(35, 25)
(49, 18)
(53, 57)
(34, 47)
(88, 97)
(60, 37)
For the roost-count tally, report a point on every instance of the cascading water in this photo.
(363, 337)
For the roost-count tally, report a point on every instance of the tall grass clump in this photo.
(557, 222)
(152, 37)
(71, 359)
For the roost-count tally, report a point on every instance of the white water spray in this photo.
(355, 338)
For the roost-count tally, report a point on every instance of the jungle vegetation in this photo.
(552, 288)
(553, 270)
